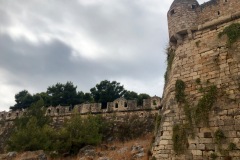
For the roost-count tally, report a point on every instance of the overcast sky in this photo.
(43, 42)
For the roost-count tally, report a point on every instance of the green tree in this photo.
(55, 93)
(63, 94)
(141, 97)
(85, 97)
(107, 91)
(44, 96)
(23, 100)
(130, 95)
(88, 97)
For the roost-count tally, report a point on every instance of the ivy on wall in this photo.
(180, 91)
(179, 138)
(198, 114)
(205, 105)
(232, 32)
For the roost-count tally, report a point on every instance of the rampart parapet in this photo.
(118, 105)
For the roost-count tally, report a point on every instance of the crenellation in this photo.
(118, 105)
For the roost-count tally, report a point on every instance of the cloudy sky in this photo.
(43, 42)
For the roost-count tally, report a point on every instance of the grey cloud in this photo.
(133, 37)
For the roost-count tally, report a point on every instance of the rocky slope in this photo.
(130, 150)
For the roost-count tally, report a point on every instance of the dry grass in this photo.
(113, 150)
(128, 155)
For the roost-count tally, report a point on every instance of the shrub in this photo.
(79, 132)
(31, 131)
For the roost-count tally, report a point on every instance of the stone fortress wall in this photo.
(187, 16)
(202, 59)
(120, 110)
(118, 105)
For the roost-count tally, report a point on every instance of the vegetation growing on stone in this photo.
(213, 156)
(189, 116)
(232, 146)
(153, 158)
(200, 112)
(158, 122)
(170, 57)
(219, 137)
(179, 139)
(198, 81)
(180, 91)
(232, 32)
(181, 98)
(197, 43)
(205, 105)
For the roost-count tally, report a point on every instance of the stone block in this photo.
(229, 122)
(206, 140)
(163, 156)
(201, 146)
(237, 128)
(168, 147)
(223, 112)
(165, 151)
(238, 134)
(210, 147)
(163, 142)
(231, 134)
(166, 137)
(192, 146)
(197, 152)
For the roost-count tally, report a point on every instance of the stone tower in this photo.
(182, 19)
(200, 115)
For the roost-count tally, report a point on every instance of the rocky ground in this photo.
(130, 150)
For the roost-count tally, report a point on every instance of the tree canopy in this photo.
(23, 100)
(130, 95)
(67, 95)
(63, 94)
(141, 97)
(107, 91)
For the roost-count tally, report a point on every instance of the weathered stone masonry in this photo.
(120, 110)
(201, 55)
(118, 105)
